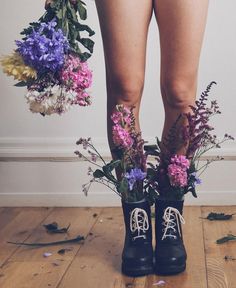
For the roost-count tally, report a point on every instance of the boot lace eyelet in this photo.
(172, 218)
(139, 223)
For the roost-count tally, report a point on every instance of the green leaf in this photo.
(21, 84)
(193, 190)
(87, 43)
(98, 174)
(82, 27)
(71, 12)
(84, 56)
(229, 237)
(59, 14)
(108, 174)
(112, 165)
(150, 147)
(82, 10)
(219, 216)
(123, 186)
(53, 228)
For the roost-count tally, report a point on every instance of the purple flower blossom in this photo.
(44, 49)
(133, 176)
(198, 181)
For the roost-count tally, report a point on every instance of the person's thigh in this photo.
(181, 26)
(124, 25)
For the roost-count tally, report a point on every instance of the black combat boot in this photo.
(137, 255)
(170, 254)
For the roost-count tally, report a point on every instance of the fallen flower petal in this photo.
(47, 254)
(159, 283)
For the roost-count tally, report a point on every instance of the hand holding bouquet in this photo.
(49, 61)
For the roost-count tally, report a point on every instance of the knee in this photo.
(126, 90)
(179, 94)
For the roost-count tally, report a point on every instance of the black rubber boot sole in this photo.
(165, 270)
(138, 272)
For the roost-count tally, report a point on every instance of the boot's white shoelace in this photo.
(139, 222)
(170, 215)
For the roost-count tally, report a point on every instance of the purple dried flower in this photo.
(44, 48)
(133, 176)
(197, 180)
(197, 132)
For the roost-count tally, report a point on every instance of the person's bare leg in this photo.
(181, 26)
(124, 25)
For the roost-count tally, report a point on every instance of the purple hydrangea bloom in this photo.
(44, 48)
(133, 176)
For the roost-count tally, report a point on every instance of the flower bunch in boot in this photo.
(176, 174)
(129, 163)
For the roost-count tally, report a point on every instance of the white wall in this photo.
(23, 134)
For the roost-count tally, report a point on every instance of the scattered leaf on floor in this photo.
(55, 264)
(229, 237)
(53, 228)
(78, 239)
(219, 216)
(229, 258)
(64, 250)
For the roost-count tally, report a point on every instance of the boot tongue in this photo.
(139, 224)
(172, 220)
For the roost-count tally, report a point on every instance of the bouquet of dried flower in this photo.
(49, 61)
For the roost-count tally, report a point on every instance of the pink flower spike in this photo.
(177, 175)
(180, 160)
(121, 137)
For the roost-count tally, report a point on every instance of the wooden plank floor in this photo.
(95, 263)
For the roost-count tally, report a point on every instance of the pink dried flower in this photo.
(177, 175)
(177, 170)
(121, 137)
(121, 116)
(76, 74)
(76, 77)
(181, 161)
